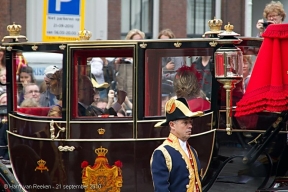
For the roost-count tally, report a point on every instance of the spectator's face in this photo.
(164, 37)
(137, 37)
(3, 76)
(101, 105)
(3, 101)
(245, 69)
(25, 78)
(32, 91)
(1, 54)
(273, 16)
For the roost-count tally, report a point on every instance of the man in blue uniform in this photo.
(174, 164)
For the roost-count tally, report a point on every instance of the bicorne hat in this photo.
(177, 109)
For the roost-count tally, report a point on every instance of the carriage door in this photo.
(101, 110)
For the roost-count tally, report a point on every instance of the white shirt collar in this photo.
(183, 145)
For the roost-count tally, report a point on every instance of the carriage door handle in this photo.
(52, 130)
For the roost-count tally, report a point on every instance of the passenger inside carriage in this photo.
(186, 85)
(88, 107)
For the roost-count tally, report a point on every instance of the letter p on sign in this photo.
(58, 4)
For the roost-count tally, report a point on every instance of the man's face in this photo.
(181, 128)
(101, 105)
(32, 91)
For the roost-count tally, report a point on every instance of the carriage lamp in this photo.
(228, 67)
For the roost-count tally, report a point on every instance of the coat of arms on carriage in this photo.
(101, 176)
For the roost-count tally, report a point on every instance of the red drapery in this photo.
(268, 86)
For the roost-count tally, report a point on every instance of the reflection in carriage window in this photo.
(31, 95)
(38, 77)
(202, 64)
(96, 97)
(194, 85)
(247, 70)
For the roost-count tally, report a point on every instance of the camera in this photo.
(265, 24)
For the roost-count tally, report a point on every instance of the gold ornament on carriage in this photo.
(215, 27)
(101, 131)
(84, 35)
(14, 33)
(41, 166)
(101, 176)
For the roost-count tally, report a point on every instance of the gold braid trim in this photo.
(166, 156)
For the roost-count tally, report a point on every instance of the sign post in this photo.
(62, 19)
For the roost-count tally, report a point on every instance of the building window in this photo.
(136, 14)
(199, 12)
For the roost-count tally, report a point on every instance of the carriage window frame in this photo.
(149, 79)
(34, 59)
(84, 54)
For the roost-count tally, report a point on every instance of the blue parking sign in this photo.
(64, 7)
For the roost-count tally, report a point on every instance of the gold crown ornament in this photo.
(215, 27)
(101, 151)
(215, 24)
(229, 27)
(14, 32)
(228, 31)
(84, 35)
(41, 166)
(101, 131)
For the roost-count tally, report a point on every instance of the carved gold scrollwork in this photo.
(52, 130)
(143, 45)
(177, 44)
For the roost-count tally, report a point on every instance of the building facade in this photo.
(112, 19)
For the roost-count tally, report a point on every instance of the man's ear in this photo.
(171, 125)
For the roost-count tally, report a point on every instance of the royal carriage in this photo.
(72, 150)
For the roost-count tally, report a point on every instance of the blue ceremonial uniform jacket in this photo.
(172, 170)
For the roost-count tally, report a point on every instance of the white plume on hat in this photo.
(51, 69)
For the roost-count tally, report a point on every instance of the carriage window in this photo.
(104, 82)
(38, 80)
(177, 73)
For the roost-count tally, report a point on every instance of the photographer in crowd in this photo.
(274, 13)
